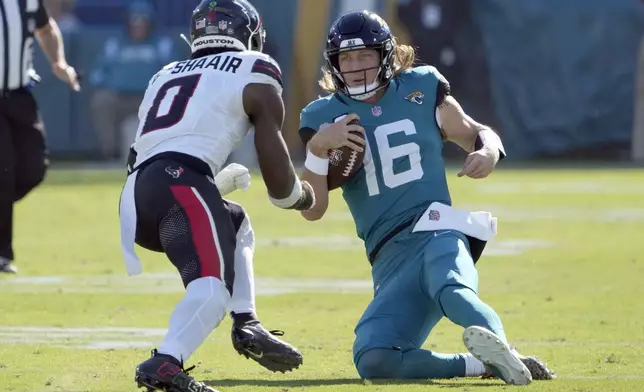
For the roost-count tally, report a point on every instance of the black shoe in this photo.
(7, 267)
(538, 369)
(253, 341)
(164, 373)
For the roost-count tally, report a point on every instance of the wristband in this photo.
(317, 165)
(291, 199)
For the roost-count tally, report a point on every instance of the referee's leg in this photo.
(28, 133)
(26, 162)
(7, 184)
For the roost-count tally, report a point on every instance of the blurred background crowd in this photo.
(558, 79)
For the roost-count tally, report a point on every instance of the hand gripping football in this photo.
(344, 163)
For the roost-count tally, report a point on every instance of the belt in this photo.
(8, 93)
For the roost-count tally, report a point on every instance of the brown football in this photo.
(343, 164)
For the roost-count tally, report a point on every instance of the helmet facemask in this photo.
(370, 87)
(257, 39)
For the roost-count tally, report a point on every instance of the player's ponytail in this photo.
(326, 81)
(404, 58)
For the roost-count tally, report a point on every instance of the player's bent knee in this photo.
(209, 287)
(454, 296)
(379, 363)
(209, 295)
(241, 222)
(237, 213)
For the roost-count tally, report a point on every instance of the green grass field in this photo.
(565, 274)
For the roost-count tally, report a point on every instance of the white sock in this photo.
(243, 298)
(473, 367)
(195, 317)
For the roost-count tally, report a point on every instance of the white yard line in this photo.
(130, 337)
(168, 283)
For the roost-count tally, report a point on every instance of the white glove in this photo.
(233, 176)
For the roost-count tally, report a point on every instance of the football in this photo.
(343, 164)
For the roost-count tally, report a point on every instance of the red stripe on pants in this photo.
(203, 233)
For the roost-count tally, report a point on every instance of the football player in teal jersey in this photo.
(406, 114)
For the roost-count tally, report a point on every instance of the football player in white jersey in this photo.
(193, 115)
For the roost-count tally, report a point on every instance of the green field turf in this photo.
(565, 274)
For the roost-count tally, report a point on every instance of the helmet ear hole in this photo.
(334, 59)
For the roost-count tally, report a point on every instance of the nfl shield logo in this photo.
(434, 215)
(335, 156)
(376, 111)
(223, 25)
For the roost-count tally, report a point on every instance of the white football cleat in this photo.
(490, 349)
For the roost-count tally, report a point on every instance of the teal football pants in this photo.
(418, 279)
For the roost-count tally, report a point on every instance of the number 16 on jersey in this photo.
(391, 155)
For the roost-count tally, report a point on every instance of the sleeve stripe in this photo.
(268, 69)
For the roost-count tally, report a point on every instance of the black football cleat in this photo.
(538, 368)
(253, 341)
(164, 373)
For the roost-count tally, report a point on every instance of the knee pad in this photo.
(379, 363)
(208, 297)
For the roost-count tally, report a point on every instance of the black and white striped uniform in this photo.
(18, 21)
(23, 153)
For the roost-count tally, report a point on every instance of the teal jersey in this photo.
(403, 170)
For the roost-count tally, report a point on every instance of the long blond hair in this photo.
(403, 59)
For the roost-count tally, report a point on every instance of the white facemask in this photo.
(371, 88)
(358, 93)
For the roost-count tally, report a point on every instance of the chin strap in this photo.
(185, 39)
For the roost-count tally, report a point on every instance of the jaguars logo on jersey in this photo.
(416, 97)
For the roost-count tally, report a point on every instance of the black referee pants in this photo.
(23, 157)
